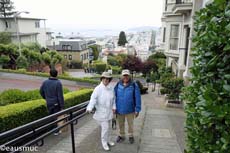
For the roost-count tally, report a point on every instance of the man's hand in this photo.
(114, 111)
(136, 114)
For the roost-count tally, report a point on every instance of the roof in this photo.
(24, 34)
(76, 45)
(22, 18)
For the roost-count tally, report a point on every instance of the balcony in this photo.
(182, 6)
(172, 53)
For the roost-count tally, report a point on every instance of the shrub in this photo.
(116, 69)
(100, 67)
(22, 62)
(164, 91)
(12, 96)
(15, 115)
(208, 96)
(173, 86)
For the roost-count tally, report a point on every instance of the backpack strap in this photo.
(134, 88)
(115, 88)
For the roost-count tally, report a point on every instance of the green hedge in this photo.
(22, 71)
(15, 115)
(116, 69)
(100, 67)
(208, 96)
(12, 96)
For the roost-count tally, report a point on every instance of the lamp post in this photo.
(17, 29)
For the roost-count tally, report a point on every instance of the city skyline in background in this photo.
(94, 18)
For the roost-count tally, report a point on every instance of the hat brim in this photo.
(126, 74)
(110, 78)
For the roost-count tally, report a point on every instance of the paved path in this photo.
(157, 130)
(163, 130)
(29, 82)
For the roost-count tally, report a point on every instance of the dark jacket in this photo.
(128, 98)
(51, 90)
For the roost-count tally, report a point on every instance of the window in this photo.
(65, 56)
(81, 57)
(166, 4)
(66, 47)
(164, 30)
(70, 57)
(178, 1)
(37, 24)
(174, 37)
(84, 56)
(69, 47)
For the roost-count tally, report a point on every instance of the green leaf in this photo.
(227, 87)
(227, 47)
(227, 76)
(227, 13)
(227, 27)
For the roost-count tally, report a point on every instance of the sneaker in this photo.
(120, 139)
(105, 147)
(111, 144)
(131, 140)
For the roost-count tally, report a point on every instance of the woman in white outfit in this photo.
(103, 100)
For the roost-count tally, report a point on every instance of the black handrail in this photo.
(36, 128)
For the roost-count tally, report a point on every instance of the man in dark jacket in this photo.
(51, 91)
(128, 103)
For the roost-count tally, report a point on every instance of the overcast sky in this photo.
(94, 14)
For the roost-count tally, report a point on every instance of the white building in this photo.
(29, 30)
(177, 32)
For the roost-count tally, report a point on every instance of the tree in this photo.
(149, 66)
(159, 59)
(95, 51)
(32, 46)
(6, 9)
(5, 38)
(33, 58)
(11, 51)
(52, 58)
(122, 39)
(22, 62)
(208, 96)
(132, 63)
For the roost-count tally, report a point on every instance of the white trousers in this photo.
(105, 132)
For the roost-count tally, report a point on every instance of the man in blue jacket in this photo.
(128, 104)
(51, 90)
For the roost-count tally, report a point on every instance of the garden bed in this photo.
(174, 103)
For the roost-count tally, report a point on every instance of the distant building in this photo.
(74, 49)
(30, 30)
(177, 31)
(115, 51)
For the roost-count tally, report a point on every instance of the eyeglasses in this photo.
(106, 78)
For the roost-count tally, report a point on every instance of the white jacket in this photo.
(103, 99)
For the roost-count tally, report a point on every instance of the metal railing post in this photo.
(72, 132)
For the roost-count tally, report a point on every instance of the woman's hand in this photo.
(88, 111)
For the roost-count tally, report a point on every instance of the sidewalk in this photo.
(163, 130)
(157, 130)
